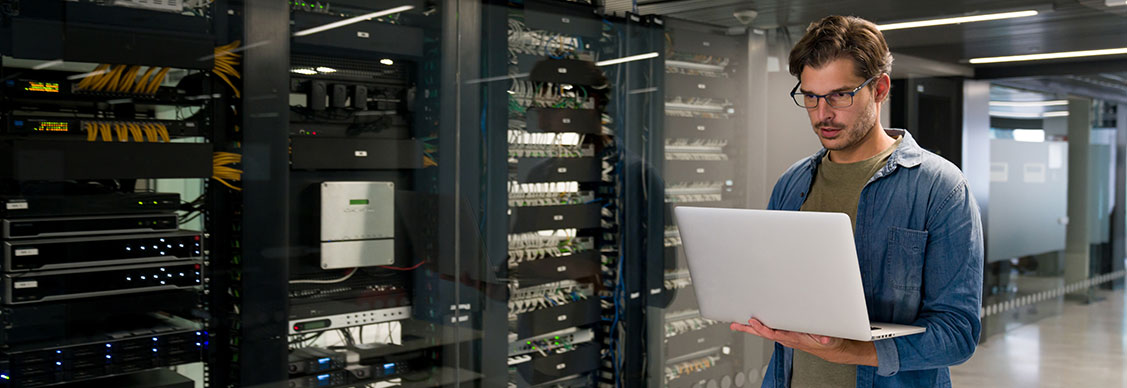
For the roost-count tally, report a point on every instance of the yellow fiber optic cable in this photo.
(89, 80)
(127, 81)
(158, 79)
(163, 131)
(91, 131)
(135, 129)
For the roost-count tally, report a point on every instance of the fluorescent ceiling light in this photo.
(956, 20)
(1029, 135)
(627, 59)
(352, 20)
(1029, 103)
(694, 65)
(1058, 55)
(1028, 115)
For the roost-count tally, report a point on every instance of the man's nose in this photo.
(823, 112)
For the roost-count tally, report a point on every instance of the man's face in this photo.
(840, 128)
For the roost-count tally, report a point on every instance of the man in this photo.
(917, 227)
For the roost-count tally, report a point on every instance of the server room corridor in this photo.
(1082, 347)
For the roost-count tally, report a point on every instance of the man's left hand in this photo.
(835, 350)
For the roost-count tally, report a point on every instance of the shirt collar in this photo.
(908, 154)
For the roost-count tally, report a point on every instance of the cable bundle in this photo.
(138, 131)
(222, 173)
(123, 79)
(225, 62)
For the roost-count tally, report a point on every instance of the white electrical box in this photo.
(357, 224)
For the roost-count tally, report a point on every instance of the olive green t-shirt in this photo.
(837, 188)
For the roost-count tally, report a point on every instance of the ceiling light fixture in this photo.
(1029, 103)
(957, 20)
(1057, 55)
(627, 59)
(1028, 115)
(357, 19)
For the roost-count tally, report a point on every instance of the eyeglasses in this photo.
(835, 99)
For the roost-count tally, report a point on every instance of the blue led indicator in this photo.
(109, 346)
(322, 377)
(324, 360)
(154, 349)
(18, 123)
(58, 363)
(58, 352)
(154, 338)
(108, 356)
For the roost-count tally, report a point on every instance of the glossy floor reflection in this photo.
(1085, 346)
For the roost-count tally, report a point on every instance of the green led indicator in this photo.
(529, 342)
(358, 202)
(140, 203)
(557, 337)
(154, 202)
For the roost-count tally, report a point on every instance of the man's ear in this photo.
(883, 86)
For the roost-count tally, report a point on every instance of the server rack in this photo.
(705, 85)
(103, 282)
(367, 106)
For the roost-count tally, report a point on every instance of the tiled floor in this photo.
(1085, 346)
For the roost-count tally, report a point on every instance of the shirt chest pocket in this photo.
(904, 262)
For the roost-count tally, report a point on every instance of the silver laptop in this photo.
(793, 271)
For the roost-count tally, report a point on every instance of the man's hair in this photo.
(848, 37)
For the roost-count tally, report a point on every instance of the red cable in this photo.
(413, 267)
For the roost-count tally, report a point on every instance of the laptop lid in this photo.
(793, 271)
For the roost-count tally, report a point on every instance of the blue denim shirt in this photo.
(919, 244)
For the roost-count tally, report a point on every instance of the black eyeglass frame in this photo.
(794, 93)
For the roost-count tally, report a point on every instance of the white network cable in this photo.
(695, 149)
(675, 328)
(672, 237)
(694, 192)
(524, 144)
